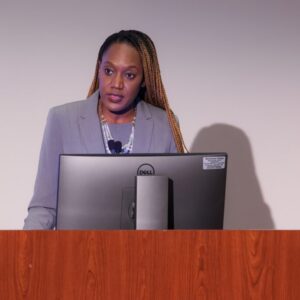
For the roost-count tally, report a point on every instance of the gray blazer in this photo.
(74, 128)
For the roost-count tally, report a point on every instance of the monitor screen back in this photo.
(98, 191)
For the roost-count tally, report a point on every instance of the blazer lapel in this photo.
(90, 127)
(143, 129)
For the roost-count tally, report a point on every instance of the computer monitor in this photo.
(99, 191)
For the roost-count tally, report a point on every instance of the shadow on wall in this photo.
(244, 205)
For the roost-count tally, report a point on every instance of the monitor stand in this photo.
(152, 195)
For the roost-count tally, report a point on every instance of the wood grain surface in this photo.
(150, 265)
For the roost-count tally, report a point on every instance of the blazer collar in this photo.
(90, 126)
(143, 128)
(92, 134)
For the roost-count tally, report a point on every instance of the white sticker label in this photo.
(214, 162)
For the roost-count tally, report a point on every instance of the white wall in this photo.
(231, 70)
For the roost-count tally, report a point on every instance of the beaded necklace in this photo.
(112, 146)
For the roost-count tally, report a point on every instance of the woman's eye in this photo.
(108, 71)
(130, 75)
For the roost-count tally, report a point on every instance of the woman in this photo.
(126, 112)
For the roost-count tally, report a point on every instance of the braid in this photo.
(155, 93)
(95, 83)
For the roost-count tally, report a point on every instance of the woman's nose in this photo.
(117, 82)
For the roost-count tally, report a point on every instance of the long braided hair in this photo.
(153, 92)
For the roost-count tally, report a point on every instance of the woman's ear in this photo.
(142, 90)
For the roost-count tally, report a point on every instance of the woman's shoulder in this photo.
(69, 106)
(151, 111)
(79, 107)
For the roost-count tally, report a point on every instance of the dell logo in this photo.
(145, 169)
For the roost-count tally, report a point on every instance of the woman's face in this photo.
(120, 78)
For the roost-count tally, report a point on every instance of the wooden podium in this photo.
(150, 265)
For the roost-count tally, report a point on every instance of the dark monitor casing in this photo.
(99, 191)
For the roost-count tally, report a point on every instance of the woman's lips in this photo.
(115, 97)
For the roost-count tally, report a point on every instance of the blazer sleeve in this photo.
(173, 148)
(45, 189)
